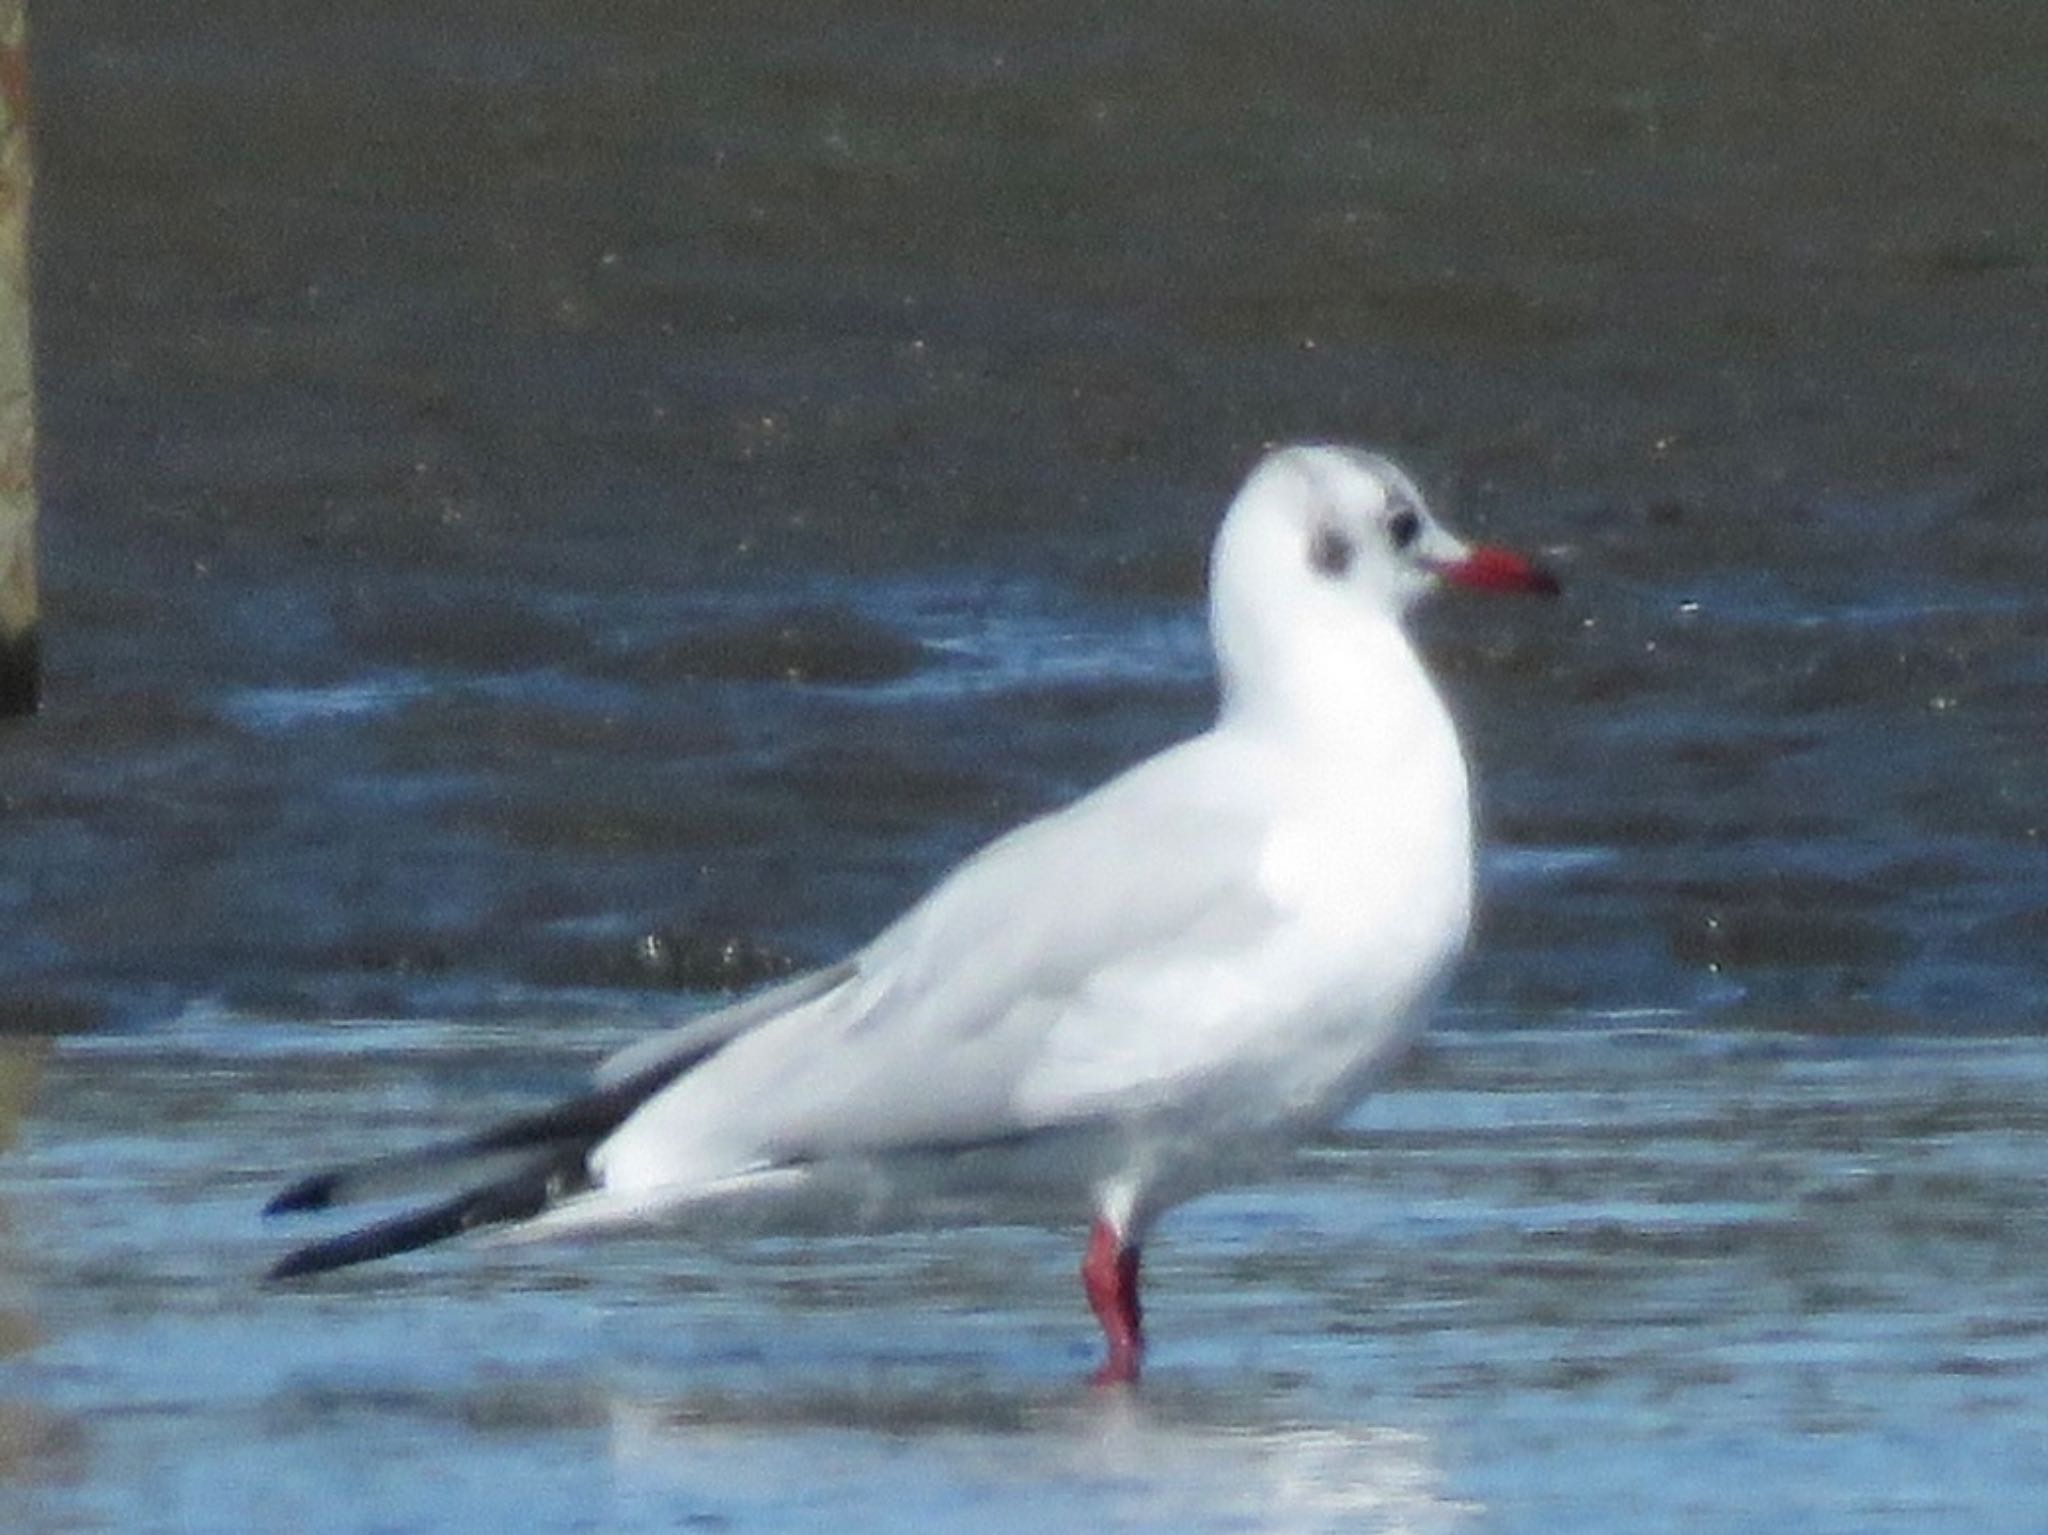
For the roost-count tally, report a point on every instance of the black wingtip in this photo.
(296, 1265)
(520, 1197)
(384, 1239)
(315, 1193)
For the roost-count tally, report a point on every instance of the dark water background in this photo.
(551, 511)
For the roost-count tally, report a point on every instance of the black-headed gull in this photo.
(1157, 991)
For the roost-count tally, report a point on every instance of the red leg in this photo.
(1110, 1273)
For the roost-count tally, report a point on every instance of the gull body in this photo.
(1154, 992)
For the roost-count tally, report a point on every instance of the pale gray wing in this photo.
(1161, 861)
(708, 1031)
(926, 1037)
(1153, 877)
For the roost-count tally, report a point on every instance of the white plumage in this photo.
(1150, 993)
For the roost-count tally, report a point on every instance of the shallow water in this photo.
(551, 517)
(1641, 1276)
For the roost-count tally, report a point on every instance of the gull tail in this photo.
(519, 1169)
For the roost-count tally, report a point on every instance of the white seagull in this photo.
(1157, 991)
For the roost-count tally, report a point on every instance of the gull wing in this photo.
(1092, 940)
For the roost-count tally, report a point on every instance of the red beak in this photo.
(1489, 569)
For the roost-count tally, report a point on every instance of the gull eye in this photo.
(1330, 551)
(1403, 528)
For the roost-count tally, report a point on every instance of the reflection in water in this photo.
(1124, 1458)
(21, 1068)
(36, 1445)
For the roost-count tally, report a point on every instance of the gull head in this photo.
(1326, 546)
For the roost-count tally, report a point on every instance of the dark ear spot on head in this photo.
(1330, 551)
